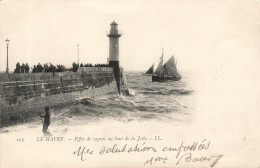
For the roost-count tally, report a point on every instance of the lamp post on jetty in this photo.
(7, 44)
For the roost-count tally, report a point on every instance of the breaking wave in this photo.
(147, 100)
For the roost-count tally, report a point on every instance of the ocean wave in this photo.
(148, 100)
(168, 92)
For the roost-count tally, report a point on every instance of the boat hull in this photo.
(165, 78)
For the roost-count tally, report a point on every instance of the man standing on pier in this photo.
(46, 121)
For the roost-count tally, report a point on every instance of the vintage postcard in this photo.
(129, 84)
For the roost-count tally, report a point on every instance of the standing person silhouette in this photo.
(46, 122)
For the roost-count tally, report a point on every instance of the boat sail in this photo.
(159, 70)
(170, 68)
(150, 71)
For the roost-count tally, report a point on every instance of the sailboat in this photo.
(164, 72)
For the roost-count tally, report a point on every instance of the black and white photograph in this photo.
(94, 83)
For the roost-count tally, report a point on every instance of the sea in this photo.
(168, 102)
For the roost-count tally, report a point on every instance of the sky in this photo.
(198, 33)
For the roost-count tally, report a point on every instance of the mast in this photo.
(159, 70)
(162, 55)
(162, 62)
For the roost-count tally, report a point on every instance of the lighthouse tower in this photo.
(113, 36)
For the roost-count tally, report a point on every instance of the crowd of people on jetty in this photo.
(25, 68)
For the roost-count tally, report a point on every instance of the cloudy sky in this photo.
(198, 33)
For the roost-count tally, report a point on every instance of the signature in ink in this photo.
(189, 158)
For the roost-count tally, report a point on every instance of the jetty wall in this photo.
(28, 85)
(24, 95)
